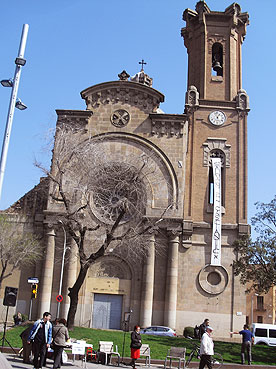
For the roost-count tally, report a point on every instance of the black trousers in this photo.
(57, 356)
(39, 351)
(205, 360)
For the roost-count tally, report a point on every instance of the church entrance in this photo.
(107, 311)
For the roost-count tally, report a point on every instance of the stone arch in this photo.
(162, 192)
(216, 144)
(110, 266)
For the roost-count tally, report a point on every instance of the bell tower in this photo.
(217, 107)
(213, 41)
(215, 199)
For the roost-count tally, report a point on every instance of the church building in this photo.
(198, 188)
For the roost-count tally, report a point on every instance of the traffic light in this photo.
(34, 291)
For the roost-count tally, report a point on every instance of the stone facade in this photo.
(172, 285)
(260, 308)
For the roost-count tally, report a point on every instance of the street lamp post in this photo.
(20, 62)
(252, 296)
(62, 264)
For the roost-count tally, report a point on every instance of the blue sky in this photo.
(75, 44)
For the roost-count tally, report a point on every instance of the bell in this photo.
(217, 67)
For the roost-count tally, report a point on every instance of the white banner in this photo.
(216, 234)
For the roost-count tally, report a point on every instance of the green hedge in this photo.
(188, 332)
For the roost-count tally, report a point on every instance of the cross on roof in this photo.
(143, 63)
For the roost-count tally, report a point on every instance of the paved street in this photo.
(17, 363)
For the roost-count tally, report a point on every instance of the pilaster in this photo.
(147, 285)
(47, 275)
(171, 280)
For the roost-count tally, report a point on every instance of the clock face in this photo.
(217, 117)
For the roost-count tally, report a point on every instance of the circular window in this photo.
(213, 279)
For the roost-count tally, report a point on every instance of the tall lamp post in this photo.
(252, 297)
(62, 264)
(20, 62)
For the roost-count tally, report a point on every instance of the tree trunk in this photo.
(74, 295)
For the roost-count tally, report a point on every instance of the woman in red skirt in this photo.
(136, 343)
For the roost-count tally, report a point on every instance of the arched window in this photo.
(217, 59)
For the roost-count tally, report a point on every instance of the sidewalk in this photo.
(16, 363)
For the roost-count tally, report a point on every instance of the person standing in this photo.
(41, 338)
(206, 349)
(202, 327)
(60, 336)
(27, 349)
(136, 343)
(247, 340)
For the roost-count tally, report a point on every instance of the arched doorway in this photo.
(109, 280)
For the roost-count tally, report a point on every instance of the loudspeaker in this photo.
(10, 296)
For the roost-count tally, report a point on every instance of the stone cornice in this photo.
(123, 92)
(76, 119)
(232, 15)
(217, 104)
(168, 124)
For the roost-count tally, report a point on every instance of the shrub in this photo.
(188, 332)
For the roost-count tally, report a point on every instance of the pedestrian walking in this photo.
(206, 349)
(247, 340)
(41, 338)
(136, 343)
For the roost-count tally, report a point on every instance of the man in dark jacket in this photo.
(202, 327)
(41, 337)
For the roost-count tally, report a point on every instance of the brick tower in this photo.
(217, 107)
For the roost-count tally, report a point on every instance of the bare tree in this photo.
(17, 247)
(101, 199)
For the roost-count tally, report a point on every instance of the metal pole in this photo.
(30, 310)
(62, 265)
(252, 308)
(5, 328)
(16, 79)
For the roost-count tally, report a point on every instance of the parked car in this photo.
(158, 330)
(264, 334)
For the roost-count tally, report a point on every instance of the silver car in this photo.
(158, 330)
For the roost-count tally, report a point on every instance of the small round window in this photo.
(213, 278)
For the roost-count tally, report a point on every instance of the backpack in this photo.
(196, 332)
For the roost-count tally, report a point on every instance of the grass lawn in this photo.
(262, 355)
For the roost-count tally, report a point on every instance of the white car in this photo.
(158, 330)
(264, 334)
